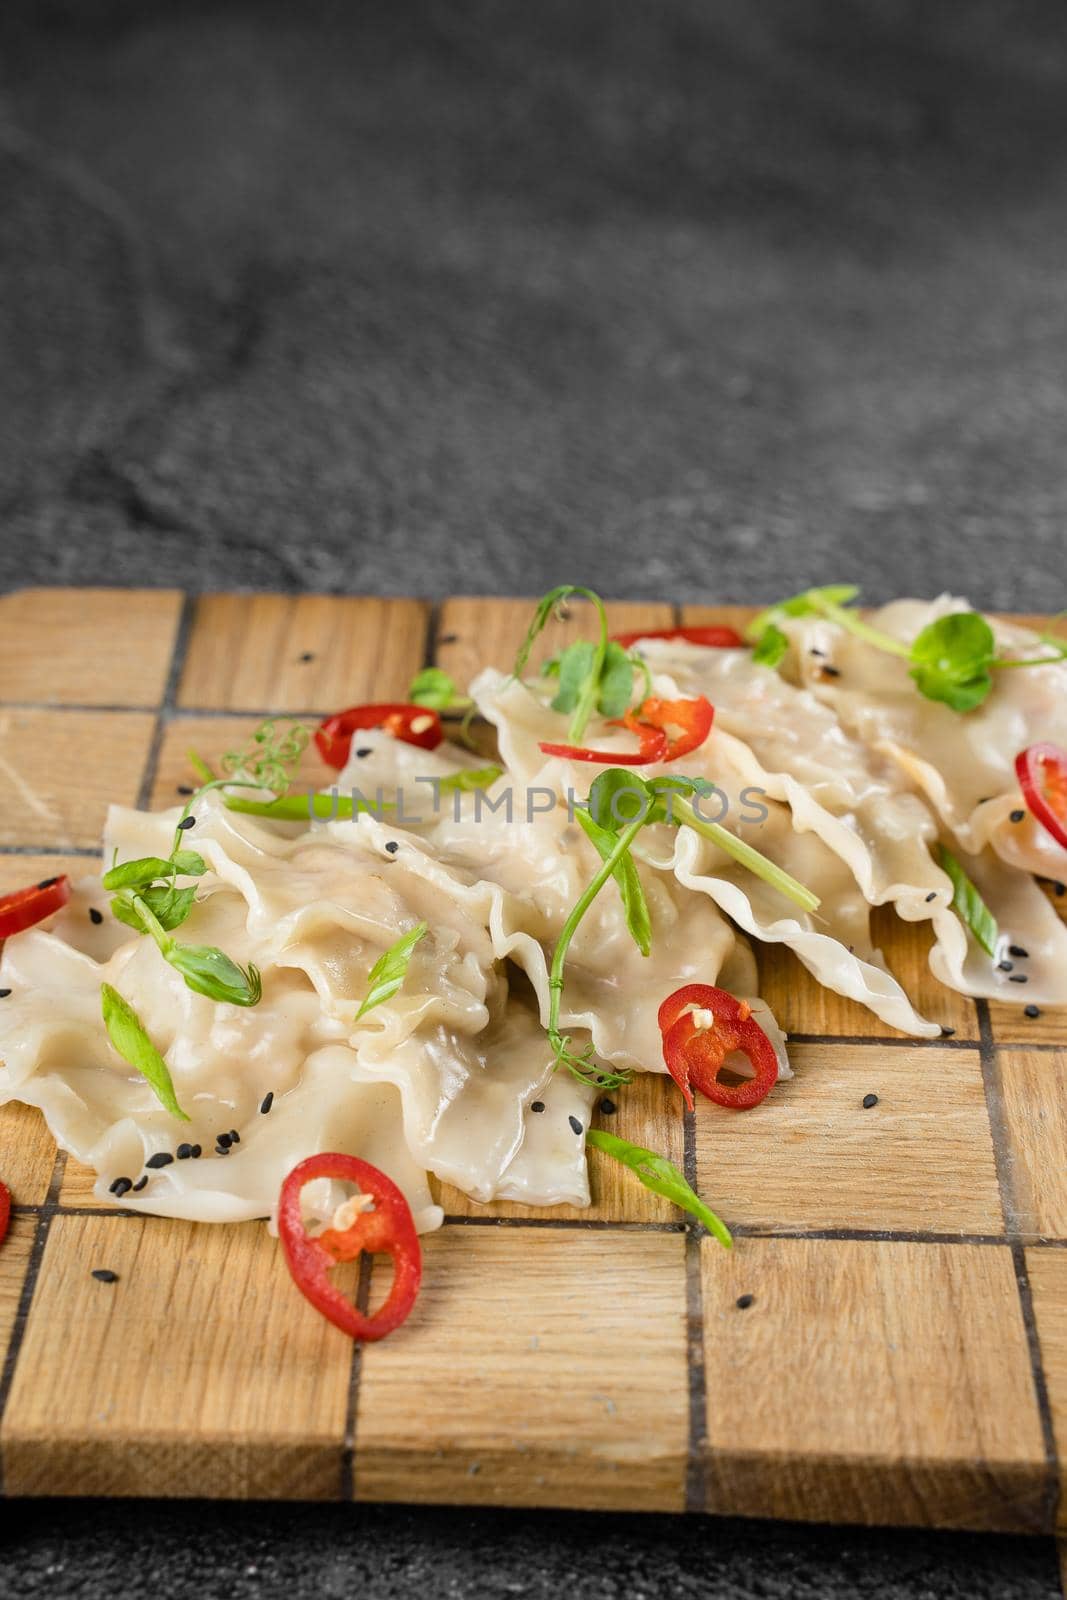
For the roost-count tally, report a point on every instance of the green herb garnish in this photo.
(389, 971)
(662, 1177)
(436, 689)
(127, 1033)
(592, 676)
(268, 758)
(206, 970)
(952, 659)
(969, 905)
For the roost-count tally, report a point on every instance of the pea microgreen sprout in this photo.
(620, 805)
(952, 659)
(969, 905)
(591, 676)
(270, 754)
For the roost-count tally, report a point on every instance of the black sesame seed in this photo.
(46, 883)
(184, 1151)
(266, 1102)
(575, 1125)
(307, 655)
(448, 638)
(139, 1185)
(743, 1301)
(537, 1105)
(869, 1100)
(162, 1158)
(187, 822)
(946, 1032)
(931, 896)
(368, 750)
(222, 1149)
(831, 672)
(608, 1107)
(95, 917)
(186, 788)
(104, 1275)
(1005, 966)
(224, 1140)
(4, 993)
(235, 1137)
(1018, 952)
(1031, 1011)
(820, 653)
(120, 1186)
(197, 1152)
(392, 847)
(1017, 816)
(1018, 977)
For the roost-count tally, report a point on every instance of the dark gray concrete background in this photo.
(692, 299)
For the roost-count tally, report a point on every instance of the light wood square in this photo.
(801, 1005)
(540, 1366)
(211, 738)
(1047, 1272)
(649, 1112)
(870, 1382)
(59, 770)
(1011, 1025)
(811, 1155)
(474, 633)
(27, 1153)
(1034, 1087)
(202, 1369)
(19, 871)
(90, 647)
(246, 652)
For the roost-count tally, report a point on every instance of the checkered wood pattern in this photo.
(886, 1343)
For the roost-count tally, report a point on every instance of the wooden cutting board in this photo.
(886, 1343)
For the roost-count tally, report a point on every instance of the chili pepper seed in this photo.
(104, 1275)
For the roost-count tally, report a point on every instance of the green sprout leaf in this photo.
(772, 646)
(805, 604)
(662, 1177)
(127, 1033)
(145, 870)
(169, 906)
(634, 903)
(467, 779)
(590, 675)
(389, 971)
(969, 905)
(210, 972)
(435, 689)
(952, 660)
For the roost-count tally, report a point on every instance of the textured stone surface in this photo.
(694, 301)
(246, 1552)
(701, 300)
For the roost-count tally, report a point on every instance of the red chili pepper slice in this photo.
(653, 747)
(417, 725)
(388, 1228)
(694, 1055)
(1042, 773)
(694, 717)
(5, 1210)
(26, 907)
(713, 638)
